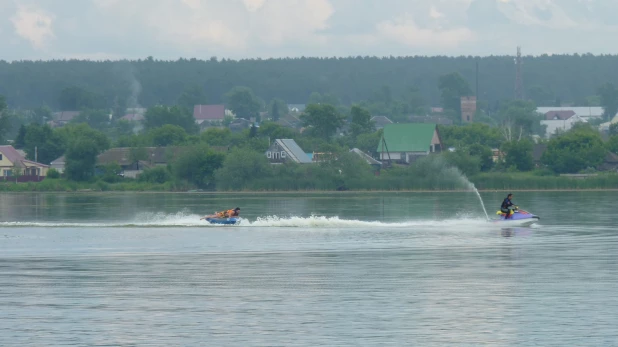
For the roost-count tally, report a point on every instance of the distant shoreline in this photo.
(312, 192)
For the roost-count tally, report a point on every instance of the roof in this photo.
(381, 120)
(366, 157)
(611, 158)
(65, 116)
(209, 112)
(411, 137)
(16, 158)
(292, 148)
(133, 117)
(562, 115)
(587, 111)
(60, 160)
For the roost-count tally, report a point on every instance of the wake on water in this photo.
(192, 220)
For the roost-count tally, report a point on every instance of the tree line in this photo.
(549, 80)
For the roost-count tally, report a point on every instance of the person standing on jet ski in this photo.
(506, 206)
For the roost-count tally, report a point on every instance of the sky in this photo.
(237, 29)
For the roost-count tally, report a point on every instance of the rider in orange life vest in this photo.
(225, 214)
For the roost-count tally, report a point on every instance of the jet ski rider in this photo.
(506, 206)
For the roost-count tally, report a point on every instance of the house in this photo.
(12, 164)
(207, 115)
(605, 126)
(148, 158)
(286, 150)
(610, 163)
(290, 121)
(380, 121)
(62, 118)
(376, 165)
(496, 155)
(297, 108)
(239, 124)
(58, 164)
(560, 121)
(405, 143)
(587, 112)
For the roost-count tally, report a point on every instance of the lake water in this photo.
(395, 269)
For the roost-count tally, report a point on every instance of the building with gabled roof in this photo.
(405, 143)
(286, 150)
(12, 163)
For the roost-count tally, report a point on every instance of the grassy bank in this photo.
(385, 183)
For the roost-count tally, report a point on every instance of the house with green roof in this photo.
(405, 143)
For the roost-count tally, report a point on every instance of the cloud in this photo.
(253, 5)
(34, 24)
(407, 32)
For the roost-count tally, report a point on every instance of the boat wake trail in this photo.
(161, 220)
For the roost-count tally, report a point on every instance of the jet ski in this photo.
(224, 221)
(517, 218)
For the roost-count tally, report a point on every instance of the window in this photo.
(8, 173)
(282, 154)
(0, 156)
(269, 155)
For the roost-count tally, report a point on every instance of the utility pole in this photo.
(519, 83)
(36, 154)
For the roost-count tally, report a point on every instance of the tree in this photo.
(136, 154)
(243, 103)
(168, 135)
(361, 122)
(4, 119)
(452, 87)
(608, 94)
(20, 140)
(159, 116)
(217, 137)
(81, 159)
(72, 132)
(191, 96)
(97, 119)
(575, 150)
(369, 142)
(519, 119)
(41, 114)
(198, 165)
(324, 119)
(518, 154)
(77, 98)
(43, 144)
(277, 109)
(612, 144)
(468, 164)
(241, 167)
(484, 153)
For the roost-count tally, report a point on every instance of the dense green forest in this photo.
(548, 80)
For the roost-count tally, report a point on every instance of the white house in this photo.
(560, 120)
(587, 112)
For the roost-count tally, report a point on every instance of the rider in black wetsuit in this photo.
(506, 204)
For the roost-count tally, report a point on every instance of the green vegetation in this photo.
(341, 96)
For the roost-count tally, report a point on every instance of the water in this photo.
(306, 270)
(481, 200)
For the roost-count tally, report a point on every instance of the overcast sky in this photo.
(170, 29)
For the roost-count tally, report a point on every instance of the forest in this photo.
(548, 80)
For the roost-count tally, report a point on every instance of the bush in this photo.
(157, 174)
(53, 173)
